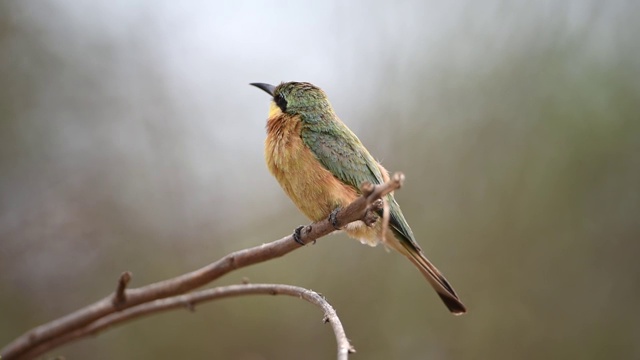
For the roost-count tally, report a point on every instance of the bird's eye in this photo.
(281, 102)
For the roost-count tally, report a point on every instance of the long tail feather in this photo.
(433, 276)
(438, 282)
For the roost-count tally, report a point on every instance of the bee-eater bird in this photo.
(321, 164)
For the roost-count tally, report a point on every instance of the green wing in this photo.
(340, 151)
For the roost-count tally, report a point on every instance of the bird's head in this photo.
(296, 98)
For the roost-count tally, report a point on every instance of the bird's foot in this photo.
(370, 216)
(297, 235)
(333, 218)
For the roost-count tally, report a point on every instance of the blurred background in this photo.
(131, 140)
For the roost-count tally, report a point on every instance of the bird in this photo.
(320, 164)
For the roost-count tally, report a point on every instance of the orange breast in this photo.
(312, 188)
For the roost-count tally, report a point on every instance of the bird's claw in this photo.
(376, 205)
(370, 218)
(333, 218)
(297, 235)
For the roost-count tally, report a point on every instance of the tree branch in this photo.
(361, 209)
(190, 300)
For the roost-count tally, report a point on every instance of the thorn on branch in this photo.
(120, 296)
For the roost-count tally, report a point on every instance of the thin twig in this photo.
(359, 209)
(385, 218)
(120, 296)
(398, 178)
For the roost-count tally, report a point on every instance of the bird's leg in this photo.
(333, 217)
(371, 216)
(297, 233)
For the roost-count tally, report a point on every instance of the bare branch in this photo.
(189, 301)
(360, 209)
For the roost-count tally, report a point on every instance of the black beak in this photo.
(269, 89)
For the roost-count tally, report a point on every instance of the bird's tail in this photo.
(433, 276)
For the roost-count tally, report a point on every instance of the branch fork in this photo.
(127, 304)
